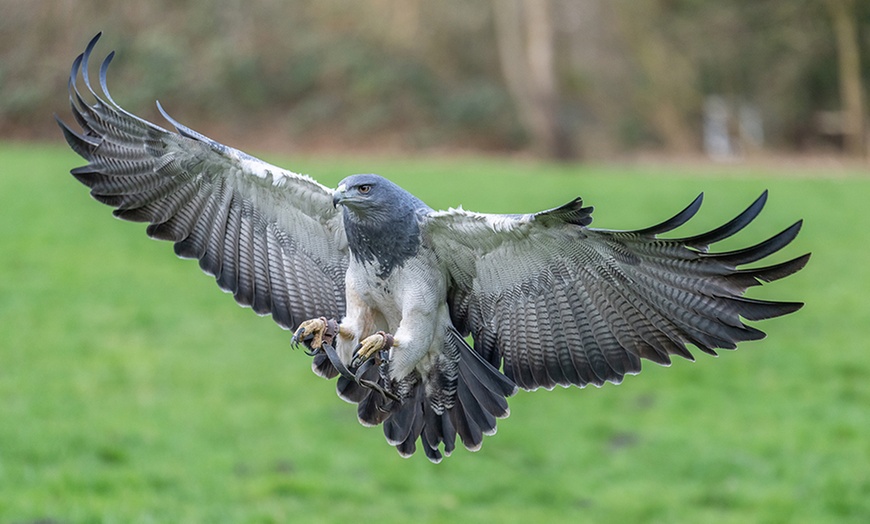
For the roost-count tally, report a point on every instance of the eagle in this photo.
(428, 319)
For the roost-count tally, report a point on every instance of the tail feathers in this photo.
(488, 386)
(480, 398)
(405, 425)
(373, 408)
(322, 367)
(437, 429)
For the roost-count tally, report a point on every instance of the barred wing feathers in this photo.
(556, 302)
(269, 236)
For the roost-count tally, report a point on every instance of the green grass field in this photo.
(133, 391)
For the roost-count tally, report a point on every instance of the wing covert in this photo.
(269, 236)
(558, 303)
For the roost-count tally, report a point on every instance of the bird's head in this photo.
(374, 198)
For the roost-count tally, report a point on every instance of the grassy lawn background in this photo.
(133, 390)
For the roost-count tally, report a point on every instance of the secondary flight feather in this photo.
(382, 290)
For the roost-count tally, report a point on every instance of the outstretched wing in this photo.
(561, 303)
(269, 236)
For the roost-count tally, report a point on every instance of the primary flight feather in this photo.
(383, 290)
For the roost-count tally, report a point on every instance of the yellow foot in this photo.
(366, 349)
(314, 332)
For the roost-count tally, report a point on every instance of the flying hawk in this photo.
(383, 290)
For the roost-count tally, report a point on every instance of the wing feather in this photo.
(181, 226)
(228, 278)
(536, 328)
(264, 233)
(246, 283)
(675, 221)
(729, 228)
(212, 260)
(556, 302)
(566, 336)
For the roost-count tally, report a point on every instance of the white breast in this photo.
(410, 303)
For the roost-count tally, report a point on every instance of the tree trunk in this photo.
(849, 65)
(524, 34)
(668, 93)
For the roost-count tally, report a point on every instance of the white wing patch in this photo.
(274, 175)
(495, 222)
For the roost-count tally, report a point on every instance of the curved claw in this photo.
(357, 376)
(317, 336)
(370, 346)
(313, 333)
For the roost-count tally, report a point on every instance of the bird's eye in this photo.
(365, 188)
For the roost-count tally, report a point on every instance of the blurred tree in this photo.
(666, 69)
(554, 76)
(844, 19)
(524, 34)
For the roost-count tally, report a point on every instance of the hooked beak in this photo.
(338, 195)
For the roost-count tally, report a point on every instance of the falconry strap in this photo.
(344, 371)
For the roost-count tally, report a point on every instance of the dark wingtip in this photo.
(82, 145)
(730, 228)
(104, 68)
(94, 40)
(183, 130)
(675, 221)
(760, 250)
(63, 125)
(756, 276)
(85, 61)
(74, 70)
(573, 213)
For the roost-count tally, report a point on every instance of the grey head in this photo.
(380, 219)
(373, 198)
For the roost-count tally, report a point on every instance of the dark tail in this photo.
(478, 396)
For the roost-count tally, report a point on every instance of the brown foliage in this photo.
(412, 74)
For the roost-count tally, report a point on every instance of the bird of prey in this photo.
(383, 290)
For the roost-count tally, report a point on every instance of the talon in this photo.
(314, 332)
(379, 342)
